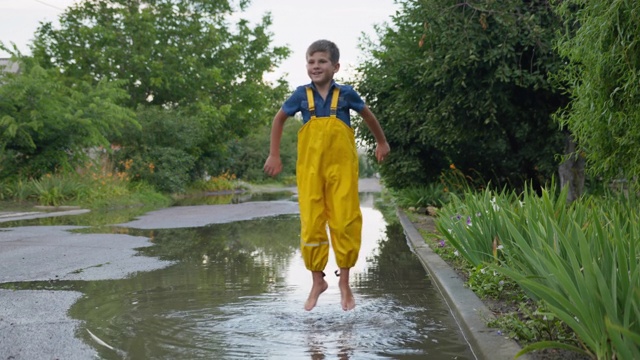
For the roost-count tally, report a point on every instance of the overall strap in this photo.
(334, 102)
(312, 106)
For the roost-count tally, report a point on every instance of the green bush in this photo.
(366, 167)
(432, 194)
(246, 157)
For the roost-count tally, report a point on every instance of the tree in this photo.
(47, 122)
(467, 84)
(603, 76)
(180, 55)
(249, 154)
(170, 52)
(163, 150)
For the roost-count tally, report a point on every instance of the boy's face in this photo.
(320, 69)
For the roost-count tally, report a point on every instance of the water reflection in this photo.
(233, 198)
(237, 291)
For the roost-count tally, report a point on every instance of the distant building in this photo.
(6, 65)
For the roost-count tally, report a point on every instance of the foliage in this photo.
(452, 182)
(223, 182)
(366, 167)
(580, 259)
(602, 77)
(474, 224)
(597, 274)
(53, 190)
(432, 194)
(533, 323)
(178, 56)
(93, 186)
(247, 155)
(164, 151)
(457, 182)
(463, 83)
(17, 190)
(528, 323)
(490, 284)
(177, 51)
(49, 122)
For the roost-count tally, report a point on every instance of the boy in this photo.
(327, 168)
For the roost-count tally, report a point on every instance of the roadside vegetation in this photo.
(512, 121)
(516, 120)
(557, 274)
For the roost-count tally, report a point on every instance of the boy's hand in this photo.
(273, 165)
(382, 150)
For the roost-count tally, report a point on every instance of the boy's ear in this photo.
(336, 67)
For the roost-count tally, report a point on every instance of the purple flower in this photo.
(441, 243)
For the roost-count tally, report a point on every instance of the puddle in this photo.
(236, 292)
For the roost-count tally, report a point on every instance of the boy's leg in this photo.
(342, 200)
(319, 286)
(347, 300)
(343, 208)
(314, 241)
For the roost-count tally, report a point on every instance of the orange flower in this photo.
(452, 167)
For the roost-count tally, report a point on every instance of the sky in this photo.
(296, 24)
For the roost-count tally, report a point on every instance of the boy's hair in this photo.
(325, 46)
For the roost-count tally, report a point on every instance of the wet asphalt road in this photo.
(34, 324)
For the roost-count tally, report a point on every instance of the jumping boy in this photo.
(327, 168)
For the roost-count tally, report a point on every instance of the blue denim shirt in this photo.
(348, 99)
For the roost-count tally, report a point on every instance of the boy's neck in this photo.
(323, 89)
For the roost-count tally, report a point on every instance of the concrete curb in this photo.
(467, 309)
(15, 216)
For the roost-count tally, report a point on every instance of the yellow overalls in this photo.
(327, 177)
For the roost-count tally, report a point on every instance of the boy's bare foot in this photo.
(319, 286)
(347, 300)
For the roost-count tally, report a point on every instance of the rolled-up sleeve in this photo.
(353, 99)
(293, 104)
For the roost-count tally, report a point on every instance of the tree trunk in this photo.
(572, 169)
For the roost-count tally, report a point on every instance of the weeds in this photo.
(422, 196)
(223, 182)
(92, 186)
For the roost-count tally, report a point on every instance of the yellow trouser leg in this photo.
(327, 173)
(314, 241)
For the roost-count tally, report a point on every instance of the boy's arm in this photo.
(382, 146)
(273, 165)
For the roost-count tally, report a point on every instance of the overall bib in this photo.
(327, 177)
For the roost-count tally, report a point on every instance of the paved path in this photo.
(27, 215)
